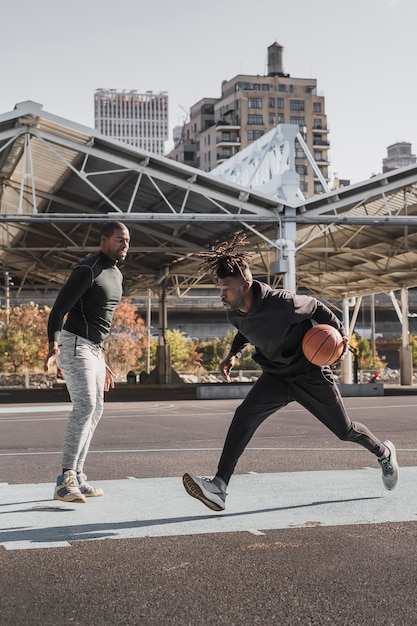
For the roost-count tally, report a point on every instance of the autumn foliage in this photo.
(24, 342)
(127, 341)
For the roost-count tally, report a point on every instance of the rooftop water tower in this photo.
(275, 60)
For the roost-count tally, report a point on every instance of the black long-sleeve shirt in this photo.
(277, 323)
(90, 296)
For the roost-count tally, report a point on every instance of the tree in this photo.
(215, 350)
(184, 355)
(23, 342)
(127, 341)
(413, 344)
(366, 360)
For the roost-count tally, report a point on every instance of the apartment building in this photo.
(140, 120)
(249, 107)
(398, 155)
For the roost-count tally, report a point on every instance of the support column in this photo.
(163, 352)
(148, 324)
(406, 352)
(290, 235)
(346, 364)
(285, 252)
(163, 374)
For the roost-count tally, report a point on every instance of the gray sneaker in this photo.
(212, 493)
(389, 466)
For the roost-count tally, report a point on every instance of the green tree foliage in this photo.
(364, 351)
(184, 355)
(215, 350)
(413, 344)
(180, 348)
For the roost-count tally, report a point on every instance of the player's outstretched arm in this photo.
(226, 366)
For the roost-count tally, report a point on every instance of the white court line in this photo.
(67, 409)
(48, 408)
(53, 408)
(36, 409)
(160, 507)
(205, 449)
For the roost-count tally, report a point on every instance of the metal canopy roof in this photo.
(362, 239)
(60, 181)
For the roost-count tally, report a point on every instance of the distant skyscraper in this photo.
(398, 155)
(140, 120)
(249, 107)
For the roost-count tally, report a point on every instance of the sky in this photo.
(362, 54)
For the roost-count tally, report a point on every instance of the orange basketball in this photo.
(322, 345)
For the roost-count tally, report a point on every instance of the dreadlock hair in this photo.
(225, 260)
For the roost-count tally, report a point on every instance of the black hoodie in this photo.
(276, 325)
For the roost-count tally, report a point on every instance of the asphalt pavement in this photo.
(309, 535)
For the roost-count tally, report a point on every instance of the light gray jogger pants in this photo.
(83, 366)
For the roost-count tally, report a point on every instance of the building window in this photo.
(282, 87)
(255, 103)
(318, 155)
(299, 153)
(256, 87)
(271, 102)
(297, 105)
(242, 86)
(280, 103)
(301, 169)
(317, 107)
(317, 124)
(254, 134)
(208, 109)
(272, 118)
(265, 87)
(281, 118)
(298, 119)
(255, 119)
(304, 186)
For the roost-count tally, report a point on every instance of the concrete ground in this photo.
(309, 535)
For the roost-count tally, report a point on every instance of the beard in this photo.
(235, 305)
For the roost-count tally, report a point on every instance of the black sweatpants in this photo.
(313, 388)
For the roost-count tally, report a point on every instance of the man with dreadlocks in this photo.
(275, 321)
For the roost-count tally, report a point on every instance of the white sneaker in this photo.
(389, 466)
(88, 490)
(67, 488)
(212, 493)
